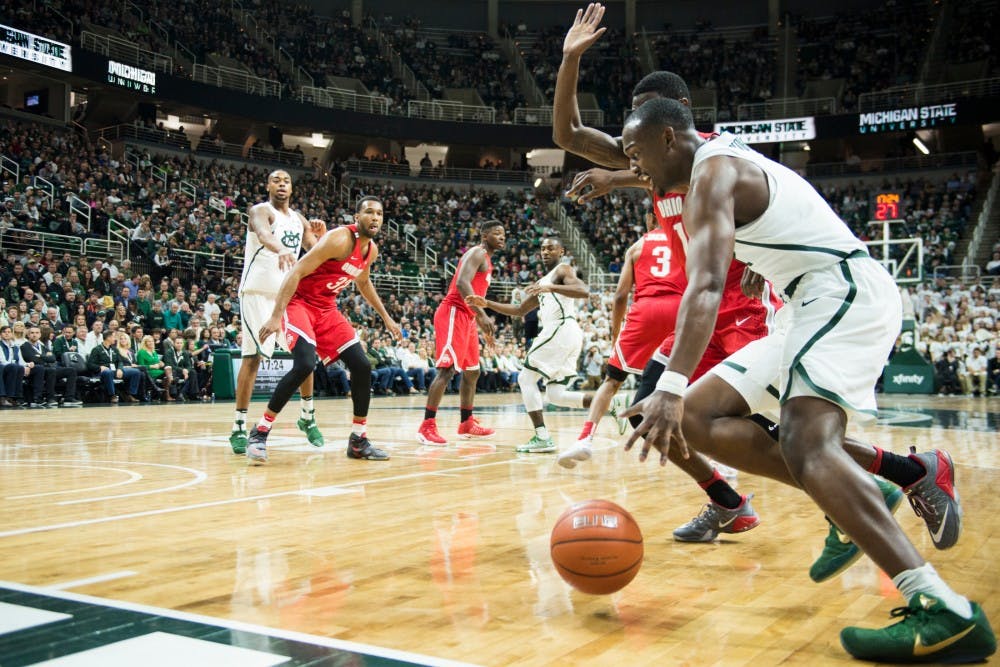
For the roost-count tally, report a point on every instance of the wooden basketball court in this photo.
(136, 518)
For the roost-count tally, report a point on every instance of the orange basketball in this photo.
(596, 547)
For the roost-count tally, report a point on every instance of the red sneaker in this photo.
(428, 434)
(470, 429)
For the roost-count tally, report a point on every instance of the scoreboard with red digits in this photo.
(888, 206)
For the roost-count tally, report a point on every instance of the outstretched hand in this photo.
(585, 30)
(661, 425)
(317, 227)
(273, 325)
(394, 329)
(476, 301)
(598, 180)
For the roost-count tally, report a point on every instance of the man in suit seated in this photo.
(46, 372)
(11, 369)
(104, 360)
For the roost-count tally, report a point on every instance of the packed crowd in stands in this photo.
(158, 293)
(882, 47)
(460, 60)
(608, 68)
(937, 210)
(738, 71)
(959, 333)
(857, 51)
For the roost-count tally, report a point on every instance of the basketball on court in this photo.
(596, 547)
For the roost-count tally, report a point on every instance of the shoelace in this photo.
(921, 507)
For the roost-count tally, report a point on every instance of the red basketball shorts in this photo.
(456, 338)
(642, 333)
(326, 328)
(733, 330)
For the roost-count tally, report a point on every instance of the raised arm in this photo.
(625, 282)
(260, 223)
(568, 130)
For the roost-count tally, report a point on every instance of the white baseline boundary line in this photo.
(328, 642)
(76, 583)
(230, 501)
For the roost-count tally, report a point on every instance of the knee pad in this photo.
(530, 394)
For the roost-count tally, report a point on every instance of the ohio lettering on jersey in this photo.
(669, 207)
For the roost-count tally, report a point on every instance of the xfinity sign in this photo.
(909, 118)
(131, 77)
(771, 131)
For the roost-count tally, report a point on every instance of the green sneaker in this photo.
(619, 404)
(537, 446)
(839, 552)
(238, 441)
(311, 430)
(929, 632)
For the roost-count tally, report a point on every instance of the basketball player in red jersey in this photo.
(913, 472)
(315, 329)
(456, 338)
(728, 511)
(637, 334)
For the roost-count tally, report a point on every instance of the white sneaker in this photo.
(579, 452)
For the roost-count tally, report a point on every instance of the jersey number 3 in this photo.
(662, 266)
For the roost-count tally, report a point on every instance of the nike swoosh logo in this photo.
(740, 323)
(806, 303)
(843, 537)
(921, 649)
(940, 531)
(723, 524)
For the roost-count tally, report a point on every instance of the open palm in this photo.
(585, 31)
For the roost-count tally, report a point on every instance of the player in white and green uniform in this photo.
(556, 349)
(275, 237)
(839, 324)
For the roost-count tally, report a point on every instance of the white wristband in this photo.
(672, 383)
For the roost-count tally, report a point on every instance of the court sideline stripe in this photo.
(76, 583)
(328, 642)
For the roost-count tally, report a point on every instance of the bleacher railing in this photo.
(121, 233)
(255, 153)
(234, 79)
(450, 110)
(11, 167)
(386, 169)
(20, 241)
(104, 248)
(46, 189)
(81, 208)
(148, 134)
(965, 273)
(912, 162)
(787, 107)
(972, 251)
(126, 51)
(903, 96)
(405, 285)
(336, 98)
(543, 116)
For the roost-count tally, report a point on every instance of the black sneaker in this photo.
(257, 445)
(358, 447)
